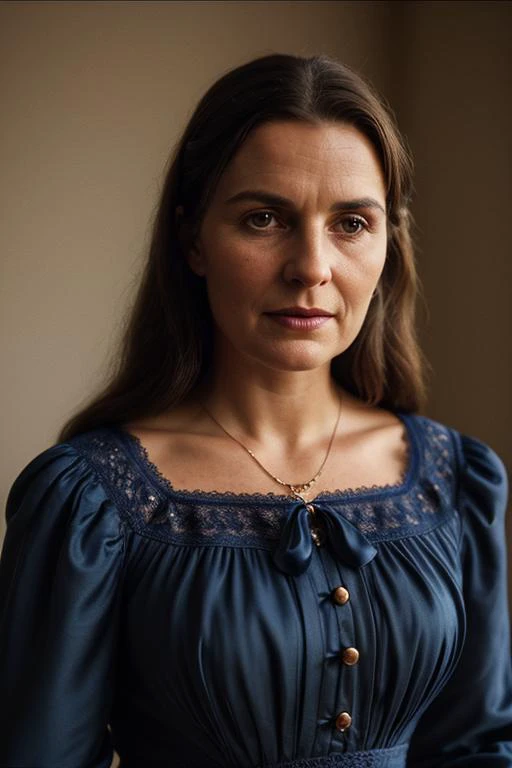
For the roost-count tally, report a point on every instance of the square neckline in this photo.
(152, 473)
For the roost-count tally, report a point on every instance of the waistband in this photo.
(395, 757)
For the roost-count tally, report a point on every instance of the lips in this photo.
(301, 312)
(300, 318)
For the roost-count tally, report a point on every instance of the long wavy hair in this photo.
(167, 344)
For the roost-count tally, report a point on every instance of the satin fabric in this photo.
(195, 630)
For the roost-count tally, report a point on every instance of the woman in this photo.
(251, 550)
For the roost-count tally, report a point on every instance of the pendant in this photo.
(317, 533)
(299, 489)
(318, 536)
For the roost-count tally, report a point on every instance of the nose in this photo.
(308, 260)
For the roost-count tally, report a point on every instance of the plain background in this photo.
(94, 95)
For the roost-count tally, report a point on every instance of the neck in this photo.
(289, 409)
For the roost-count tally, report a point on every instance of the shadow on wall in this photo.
(97, 93)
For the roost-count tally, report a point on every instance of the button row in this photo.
(340, 595)
(349, 656)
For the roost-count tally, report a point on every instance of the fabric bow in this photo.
(295, 550)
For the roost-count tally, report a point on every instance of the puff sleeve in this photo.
(469, 725)
(60, 584)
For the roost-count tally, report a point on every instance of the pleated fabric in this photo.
(206, 630)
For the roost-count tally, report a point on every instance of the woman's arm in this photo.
(59, 605)
(469, 725)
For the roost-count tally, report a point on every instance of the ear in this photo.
(193, 255)
(195, 260)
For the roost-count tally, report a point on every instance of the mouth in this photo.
(301, 312)
(300, 318)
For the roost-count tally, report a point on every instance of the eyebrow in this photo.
(268, 198)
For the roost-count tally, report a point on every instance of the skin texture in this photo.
(258, 258)
(323, 245)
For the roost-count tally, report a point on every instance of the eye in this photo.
(261, 220)
(351, 225)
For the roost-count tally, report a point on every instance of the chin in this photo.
(299, 356)
(303, 360)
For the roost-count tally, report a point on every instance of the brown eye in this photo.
(351, 225)
(260, 219)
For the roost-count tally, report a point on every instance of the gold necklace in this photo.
(296, 490)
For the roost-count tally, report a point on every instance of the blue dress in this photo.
(208, 630)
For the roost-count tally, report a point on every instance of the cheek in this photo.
(361, 274)
(237, 269)
(234, 285)
(374, 265)
(375, 255)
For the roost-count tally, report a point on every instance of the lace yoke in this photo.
(153, 508)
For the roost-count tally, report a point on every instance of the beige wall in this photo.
(95, 95)
(454, 100)
(452, 89)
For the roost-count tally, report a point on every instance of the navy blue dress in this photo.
(208, 630)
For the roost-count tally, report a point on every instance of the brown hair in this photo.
(168, 338)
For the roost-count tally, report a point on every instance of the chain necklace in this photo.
(296, 490)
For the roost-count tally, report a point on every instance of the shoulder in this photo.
(466, 450)
(64, 539)
(63, 481)
(478, 474)
(62, 527)
(75, 455)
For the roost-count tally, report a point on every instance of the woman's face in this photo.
(293, 244)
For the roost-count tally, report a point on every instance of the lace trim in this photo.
(156, 510)
(220, 496)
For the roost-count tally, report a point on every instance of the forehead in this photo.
(298, 156)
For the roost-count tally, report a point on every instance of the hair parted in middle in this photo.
(168, 340)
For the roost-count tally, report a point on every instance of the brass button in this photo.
(343, 721)
(318, 536)
(340, 595)
(350, 656)
(310, 508)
